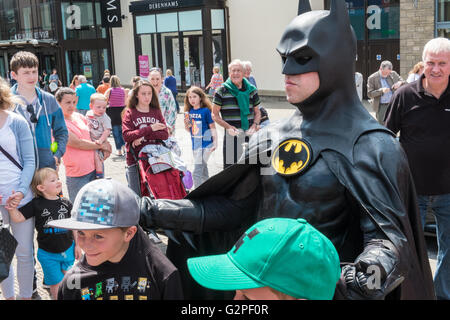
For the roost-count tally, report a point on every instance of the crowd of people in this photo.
(330, 209)
(72, 124)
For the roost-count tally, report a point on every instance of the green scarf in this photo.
(242, 97)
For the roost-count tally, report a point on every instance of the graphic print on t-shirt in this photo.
(110, 289)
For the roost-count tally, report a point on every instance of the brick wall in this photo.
(416, 28)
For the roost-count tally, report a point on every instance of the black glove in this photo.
(361, 285)
(178, 215)
(374, 274)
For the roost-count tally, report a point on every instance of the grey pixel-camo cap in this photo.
(101, 204)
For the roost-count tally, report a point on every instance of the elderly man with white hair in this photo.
(421, 112)
(84, 91)
(235, 108)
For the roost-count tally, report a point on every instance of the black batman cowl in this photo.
(324, 42)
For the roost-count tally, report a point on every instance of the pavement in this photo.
(277, 109)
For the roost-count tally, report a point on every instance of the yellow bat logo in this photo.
(291, 157)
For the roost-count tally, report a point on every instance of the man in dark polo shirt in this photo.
(236, 110)
(421, 112)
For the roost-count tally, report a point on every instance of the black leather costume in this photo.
(340, 170)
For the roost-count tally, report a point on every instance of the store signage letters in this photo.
(374, 20)
(111, 14)
(38, 35)
(154, 5)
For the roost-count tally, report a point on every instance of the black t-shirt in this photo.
(49, 239)
(144, 273)
(424, 125)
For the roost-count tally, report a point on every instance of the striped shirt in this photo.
(117, 97)
(229, 108)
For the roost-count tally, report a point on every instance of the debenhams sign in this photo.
(154, 5)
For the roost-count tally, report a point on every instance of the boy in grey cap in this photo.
(119, 262)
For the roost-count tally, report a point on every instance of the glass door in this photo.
(90, 63)
(194, 61)
(170, 48)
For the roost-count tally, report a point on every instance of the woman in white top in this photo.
(15, 179)
(415, 72)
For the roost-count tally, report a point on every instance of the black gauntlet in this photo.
(374, 273)
(179, 215)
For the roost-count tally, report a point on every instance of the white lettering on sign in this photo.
(74, 19)
(32, 35)
(162, 5)
(111, 5)
(374, 20)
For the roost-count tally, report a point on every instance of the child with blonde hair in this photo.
(199, 123)
(57, 250)
(99, 127)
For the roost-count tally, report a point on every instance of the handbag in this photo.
(8, 245)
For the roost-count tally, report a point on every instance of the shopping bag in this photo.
(8, 245)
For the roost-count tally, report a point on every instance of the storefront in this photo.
(187, 36)
(66, 35)
(377, 28)
(27, 25)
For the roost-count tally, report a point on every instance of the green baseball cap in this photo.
(288, 255)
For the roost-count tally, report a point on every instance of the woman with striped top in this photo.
(116, 103)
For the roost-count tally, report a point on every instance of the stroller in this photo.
(162, 173)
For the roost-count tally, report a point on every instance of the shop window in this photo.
(167, 22)
(8, 19)
(383, 19)
(190, 20)
(217, 19)
(26, 20)
(443, 10)
(443, 18)
(218, 50)
(145, 24)
(82, 20)
(147, 48)
(46, 16)
(90, 63)
(356, 13)
(194, 61)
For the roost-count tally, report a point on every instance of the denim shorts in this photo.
(53, 264)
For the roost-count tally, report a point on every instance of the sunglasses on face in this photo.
(33, 117)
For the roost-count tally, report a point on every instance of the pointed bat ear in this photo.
(339, 12)
(303, 6)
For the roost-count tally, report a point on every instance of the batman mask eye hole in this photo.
(283, 59)
(303, 59)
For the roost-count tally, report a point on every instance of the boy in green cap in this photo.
(275, 259)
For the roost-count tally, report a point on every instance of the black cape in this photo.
(364, 156)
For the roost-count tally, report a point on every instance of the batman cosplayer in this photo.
(331, 163)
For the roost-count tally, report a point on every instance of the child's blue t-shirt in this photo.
(200, 120)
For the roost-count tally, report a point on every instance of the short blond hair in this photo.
(98, 96)
(39, 177)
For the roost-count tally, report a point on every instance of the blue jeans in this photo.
(440, 204)
(74, 184)
(118, 138)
